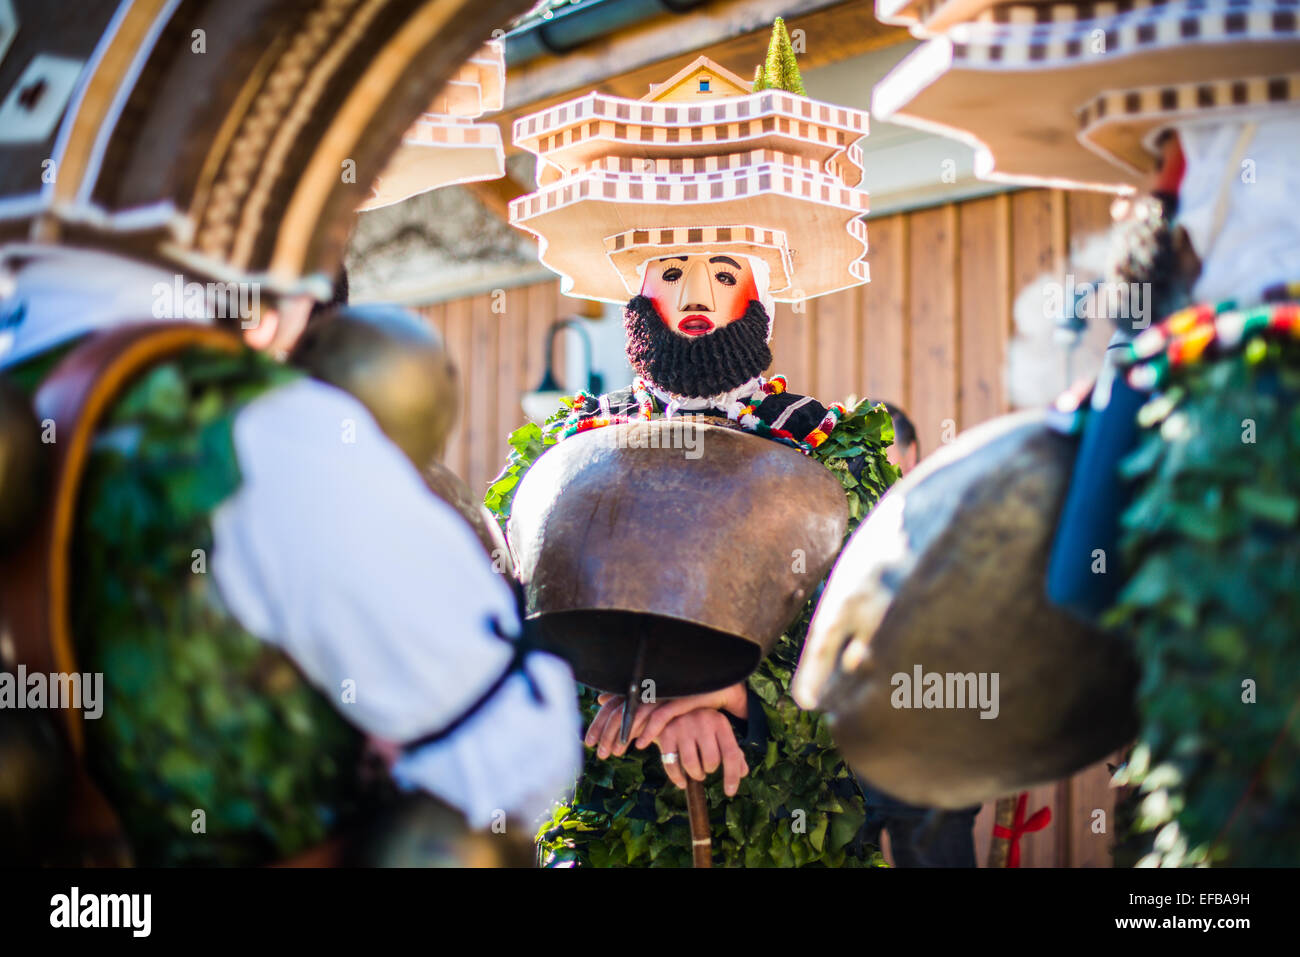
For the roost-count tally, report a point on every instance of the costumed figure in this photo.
(672, 536)
(256, 571)
(1148, 593)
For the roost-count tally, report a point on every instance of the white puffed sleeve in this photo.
(335, 551)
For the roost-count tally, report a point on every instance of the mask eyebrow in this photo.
(668, 259)
(725, 259)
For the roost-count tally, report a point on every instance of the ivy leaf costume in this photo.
(1212, 541)
(799, 805)
(212, 747)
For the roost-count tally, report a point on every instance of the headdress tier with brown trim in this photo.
(1068, 94)
(445, 146)
(698, 165)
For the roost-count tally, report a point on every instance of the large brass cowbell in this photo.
(699, 540)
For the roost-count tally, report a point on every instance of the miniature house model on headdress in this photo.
(445, 146)
(1072, 94)
(700, 164)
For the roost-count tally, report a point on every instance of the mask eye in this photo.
(671, 274)
(726, 278)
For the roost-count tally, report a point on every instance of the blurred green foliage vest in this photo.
(211, 747)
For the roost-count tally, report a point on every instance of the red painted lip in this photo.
(695, 325)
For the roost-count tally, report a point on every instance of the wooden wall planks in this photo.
(984, 276)
(884, 343)
(933, 367)
(498, 341)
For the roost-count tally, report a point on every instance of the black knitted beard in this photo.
(1150, 249)
(695, 366)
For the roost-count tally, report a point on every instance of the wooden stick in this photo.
(1005, 815)
(697, 810)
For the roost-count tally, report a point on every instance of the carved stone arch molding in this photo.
(231, 138)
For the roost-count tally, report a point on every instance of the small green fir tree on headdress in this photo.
(781, 72)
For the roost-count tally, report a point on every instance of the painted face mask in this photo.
(696, 295)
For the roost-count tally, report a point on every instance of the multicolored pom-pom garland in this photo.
(1186, 336)
(774, 386)
(648, 407)
(645, 408)
(834, 414)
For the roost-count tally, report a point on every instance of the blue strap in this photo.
(1090, 518)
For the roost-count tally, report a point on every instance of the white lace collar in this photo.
(731, 402)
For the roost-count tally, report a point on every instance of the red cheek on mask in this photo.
(663, 307)
(732, 301)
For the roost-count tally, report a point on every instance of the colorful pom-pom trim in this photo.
(647, 407)
(1187, 336)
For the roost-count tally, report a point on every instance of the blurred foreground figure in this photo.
(1165, 519)
(230, 585)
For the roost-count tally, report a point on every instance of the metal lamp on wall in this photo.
(542, 401)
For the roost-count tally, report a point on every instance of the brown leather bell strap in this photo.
(35, 580)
